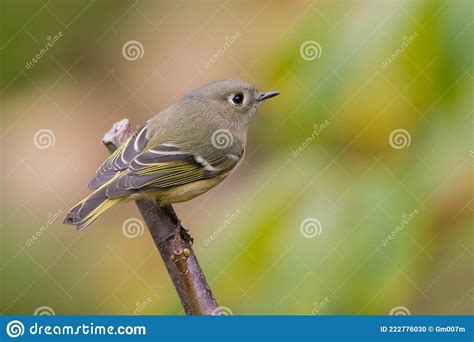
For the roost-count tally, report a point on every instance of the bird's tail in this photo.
(90, 208)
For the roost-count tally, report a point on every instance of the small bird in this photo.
(179, 154)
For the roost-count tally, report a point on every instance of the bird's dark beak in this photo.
(264, 96)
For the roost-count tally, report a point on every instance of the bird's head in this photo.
(234, 100)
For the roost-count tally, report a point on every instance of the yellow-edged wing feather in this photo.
(168, 166)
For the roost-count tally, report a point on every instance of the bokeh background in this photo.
(356, 193)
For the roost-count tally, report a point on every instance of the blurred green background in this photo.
(356, 193)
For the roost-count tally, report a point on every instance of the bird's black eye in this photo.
(238, 99)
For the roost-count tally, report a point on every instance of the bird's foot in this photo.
(185, 234)
(171, 214)
(181, 232)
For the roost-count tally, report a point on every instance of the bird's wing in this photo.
(169, 165)
(121, 158)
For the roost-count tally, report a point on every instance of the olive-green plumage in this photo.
(178, 154)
